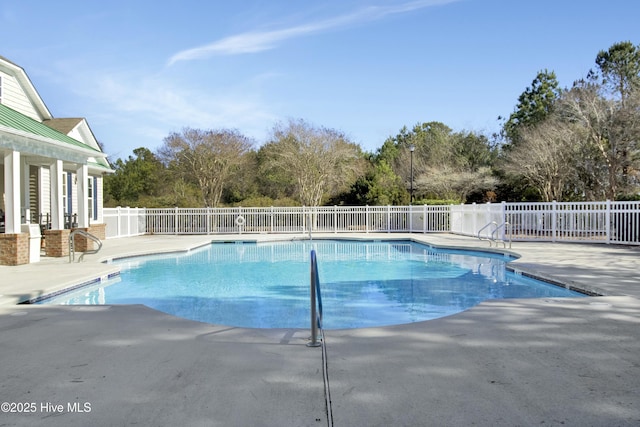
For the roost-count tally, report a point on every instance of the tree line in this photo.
(565, 144)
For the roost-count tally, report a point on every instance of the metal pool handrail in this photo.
(507, 230)
(486, 226)
(316, 302)
(72, 244)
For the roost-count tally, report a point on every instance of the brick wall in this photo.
(98, 230)
(82, 243)
(57, 243)
(14, 249)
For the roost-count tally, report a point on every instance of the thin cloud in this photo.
(258, 41)
(151, 106)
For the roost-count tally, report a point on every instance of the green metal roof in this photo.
(102, 162)
(15, 120)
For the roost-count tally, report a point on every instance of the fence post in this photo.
(424, 219)
(207, 219)
(118, 225)
(143, 212)
(128, 216)
(475, 219)
(503, 208)
(388, 219)
(271, 220)
(175, 220)
(554, 219)
(366, 218)
(450, 219)
(335, 219)
(607, 221)
(304, 219)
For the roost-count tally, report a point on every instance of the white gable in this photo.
(14, 97)
(17, 92)
(82, 132)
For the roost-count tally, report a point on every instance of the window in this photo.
(67, 197)
(64, 193)
(92, 201)
(95, 198)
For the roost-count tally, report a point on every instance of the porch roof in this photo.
(13, 119)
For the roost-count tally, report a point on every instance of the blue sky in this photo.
(139, 70)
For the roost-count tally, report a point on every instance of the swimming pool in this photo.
(266, 285)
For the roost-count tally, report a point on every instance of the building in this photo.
(51, 173)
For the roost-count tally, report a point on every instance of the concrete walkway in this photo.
(570, 362)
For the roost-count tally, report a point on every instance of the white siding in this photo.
(45, 191)
(82, 133)
(100, 197)
(75, 134)
(33, 201)
(74, 193)
(13, 96)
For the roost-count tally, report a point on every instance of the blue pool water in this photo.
(266, 285)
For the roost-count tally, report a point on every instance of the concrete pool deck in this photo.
(552, 361)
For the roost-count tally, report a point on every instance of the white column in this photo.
(26, 192)
(83, 196)
(44, 196)
(12, 192)
(57, 202)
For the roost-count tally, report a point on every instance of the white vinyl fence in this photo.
(125, 222)
(604, 222)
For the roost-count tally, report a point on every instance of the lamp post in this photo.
(412, 148)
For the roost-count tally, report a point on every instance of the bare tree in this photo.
(544, 158)
(611, 128)
(321, 161)
(207, 158)
(455, 183)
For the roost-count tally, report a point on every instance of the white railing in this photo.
(604, 222)
(335, 219)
